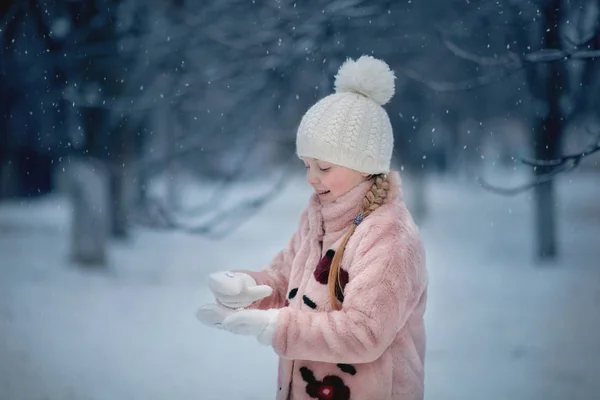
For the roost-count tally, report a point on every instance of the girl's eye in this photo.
(325, 169)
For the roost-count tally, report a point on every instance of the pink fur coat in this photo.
(374, 347)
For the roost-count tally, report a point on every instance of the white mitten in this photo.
(259, 323)
(213, 314)
(236, 289)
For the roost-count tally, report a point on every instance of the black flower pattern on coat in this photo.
(330, 388)
(321, 274)
(347, 368)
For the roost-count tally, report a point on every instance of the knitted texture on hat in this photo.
(350, 127)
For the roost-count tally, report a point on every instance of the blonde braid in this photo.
(371, 202)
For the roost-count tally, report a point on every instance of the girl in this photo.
(343, 304)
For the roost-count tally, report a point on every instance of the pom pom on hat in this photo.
(367, 76)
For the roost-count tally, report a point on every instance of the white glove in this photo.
(213, 314)
(259, 323)
(236, 289)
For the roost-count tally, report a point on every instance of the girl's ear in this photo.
(365, 175)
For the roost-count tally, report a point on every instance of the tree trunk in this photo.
(546, 147)
(172, 198)
(121, 159)
(7, 180)
(547, 138)
(118, 200)
(87, 184)
(417, 202)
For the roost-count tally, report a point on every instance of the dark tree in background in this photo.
(138, 90)
(125, 101)
(69, 62)
(563, 78)
(554, 45)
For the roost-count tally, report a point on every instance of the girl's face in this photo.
(331, 181)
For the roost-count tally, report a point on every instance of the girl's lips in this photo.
(322, 192)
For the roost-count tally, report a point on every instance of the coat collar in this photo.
(335, 217)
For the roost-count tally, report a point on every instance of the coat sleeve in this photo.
(378, 301)
(277, 273)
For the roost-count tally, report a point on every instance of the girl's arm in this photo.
(277, 273)
(378, 301)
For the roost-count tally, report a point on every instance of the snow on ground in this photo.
(499, 326)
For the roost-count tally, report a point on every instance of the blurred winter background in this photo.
(147, 143)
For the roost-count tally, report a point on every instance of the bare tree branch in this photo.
(571, 158)
(550, 55)
(587, 38)
(154, 213)
(505, 65)
(558, 166)
(464, 85)
(509, 58)
(525, 187)
(512, 59)
(508, 63)
(226, 183)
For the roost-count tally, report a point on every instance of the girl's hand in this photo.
(213, 314)
(259, 323)
(236, 289)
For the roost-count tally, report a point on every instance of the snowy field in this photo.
(499, 326)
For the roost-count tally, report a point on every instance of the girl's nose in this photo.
(311, 177)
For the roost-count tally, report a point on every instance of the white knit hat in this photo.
(350, 127)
